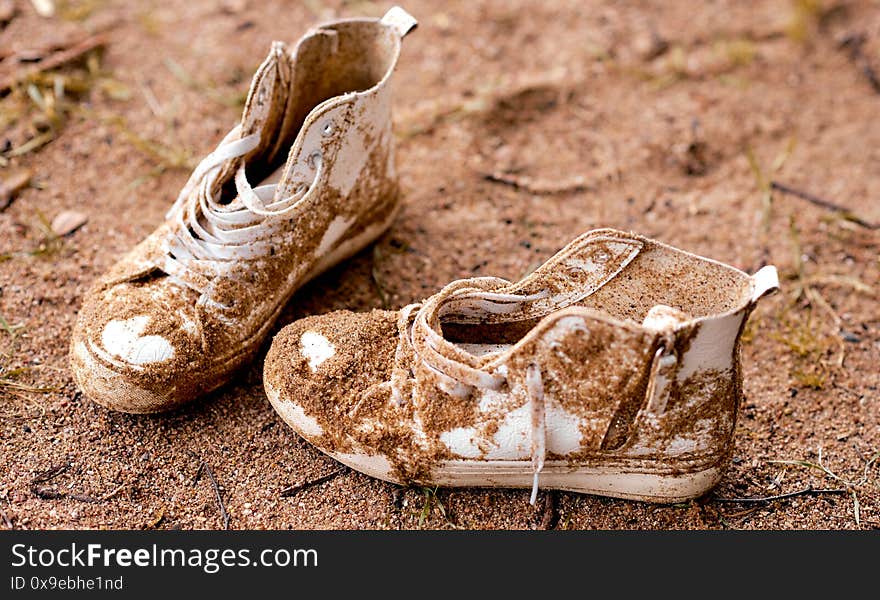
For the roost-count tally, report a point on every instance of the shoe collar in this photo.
(575, 272)
(266, 118)
(207, 232)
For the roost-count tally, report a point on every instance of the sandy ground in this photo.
(635, 115)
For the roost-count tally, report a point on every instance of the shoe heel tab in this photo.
(765, 281)
(399, 20)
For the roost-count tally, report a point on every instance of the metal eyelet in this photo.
(328, 129)
(300, 189)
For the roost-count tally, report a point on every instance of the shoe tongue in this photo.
(310, 90)
(575, 272)
(264, 110)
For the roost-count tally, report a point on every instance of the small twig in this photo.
(6, 520)
(550, 515)
(819, 300)
(225, 515)
(538, 186)
(742, 513)
(47, 494)
(54, 60)
(866, 474)
(804, 492)
(112, 493)
(826, 204)
(198, 474)
(298, 487)
(160, 516)
(50, 474)
(854, 43)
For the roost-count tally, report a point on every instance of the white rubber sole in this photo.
(558, 475)
(663, 486)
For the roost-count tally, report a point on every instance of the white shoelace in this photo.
(212, 234)
(458, 378)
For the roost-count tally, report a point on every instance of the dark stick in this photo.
(821, 202)
(198, 474)
(50, 473)
(54, 61)
(804, 492)
(550, 516)
(530, 185)
(297, 488)
(47, 494)
(854, 43)
(45, 476)
(216, 486)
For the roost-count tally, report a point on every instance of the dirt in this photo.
(520, 126)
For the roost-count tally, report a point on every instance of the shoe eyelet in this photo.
(300, 189)
(328, 129)
(601, 257)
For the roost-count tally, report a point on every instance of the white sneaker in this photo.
(613, 369)
(190, 304)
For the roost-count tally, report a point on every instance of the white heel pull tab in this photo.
(401, 21)
(764, 282)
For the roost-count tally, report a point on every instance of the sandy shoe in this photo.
(613, 369)
(191, 303)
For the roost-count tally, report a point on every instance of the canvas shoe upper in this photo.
(612, 369)
(192, 302)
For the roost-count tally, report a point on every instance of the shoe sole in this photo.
(667, 484)
(662, 487)
(112, 390)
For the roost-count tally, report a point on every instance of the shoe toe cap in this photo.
(320, 367)
(135, 348)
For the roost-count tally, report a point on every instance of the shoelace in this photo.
(457, 377)
(212, 234)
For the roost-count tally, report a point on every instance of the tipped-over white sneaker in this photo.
(191, 303)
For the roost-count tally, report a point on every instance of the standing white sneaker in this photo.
(613, 369)
(179, 313)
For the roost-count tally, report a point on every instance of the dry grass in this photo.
(9, 381)
(804, 20)
(39, 107)
(432, 504)
(78, 10)
(48, 243)
(866, 483)
(10, 329)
